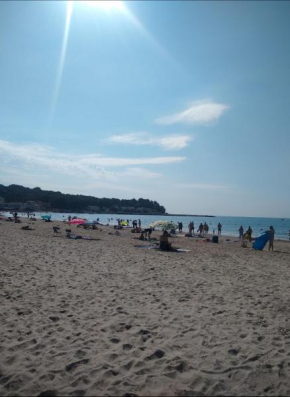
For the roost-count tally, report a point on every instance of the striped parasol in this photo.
(165, 225)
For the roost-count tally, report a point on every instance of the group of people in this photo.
(248, 235)
(145, 234)
(136, 223)
(203, 228)
(126, 222)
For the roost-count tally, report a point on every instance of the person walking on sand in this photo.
(241, 232)
(219, 227)
(271, 233)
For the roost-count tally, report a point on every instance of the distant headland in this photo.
(24, 199)
(20, 198)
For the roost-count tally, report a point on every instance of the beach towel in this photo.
(143, 246)
(261, 241)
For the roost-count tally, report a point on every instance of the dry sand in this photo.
(102, 317)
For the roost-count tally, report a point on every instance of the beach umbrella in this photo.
(77, 221)
(166, 225)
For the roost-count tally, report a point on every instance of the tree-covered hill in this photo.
(75, 202)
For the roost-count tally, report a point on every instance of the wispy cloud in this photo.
(171, 142)
(202, 186)
(92, 165)
(203, 112)
(140, 173)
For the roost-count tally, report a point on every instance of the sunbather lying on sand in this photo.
(26, 228)
(78, 237)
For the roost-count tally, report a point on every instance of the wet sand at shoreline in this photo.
(104, 317)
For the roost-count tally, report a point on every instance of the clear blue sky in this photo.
(186, 103)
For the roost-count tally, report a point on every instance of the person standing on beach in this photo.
(241, 232)
(191, 227)
(219, 227)
(139, 222)
(200, 229)
(271, 233)
(180, 226)
(249, 233)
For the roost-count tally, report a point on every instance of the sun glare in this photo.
(107, 5)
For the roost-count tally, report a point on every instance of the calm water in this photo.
(230, 224)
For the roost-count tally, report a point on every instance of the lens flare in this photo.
(106, 5)
(69, 11)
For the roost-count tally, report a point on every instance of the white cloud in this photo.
(202, 186)
(140, 173)
(34, 155)
(171, 142)
(198, 113)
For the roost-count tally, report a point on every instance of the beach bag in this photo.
(215, 239)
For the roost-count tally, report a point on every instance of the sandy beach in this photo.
(105, 317)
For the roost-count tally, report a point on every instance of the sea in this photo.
(230, 224)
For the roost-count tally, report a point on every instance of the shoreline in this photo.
(224, 234)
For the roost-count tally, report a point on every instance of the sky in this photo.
(182, 102)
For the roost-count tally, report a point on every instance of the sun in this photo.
(106, 5)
